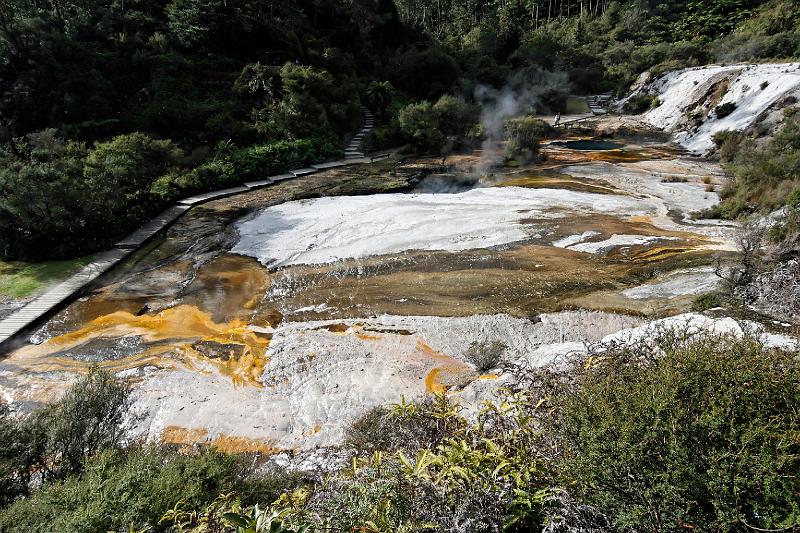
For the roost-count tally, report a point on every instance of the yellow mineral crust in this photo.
(175, 333)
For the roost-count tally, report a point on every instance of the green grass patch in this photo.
(576, 105)
(23, 280)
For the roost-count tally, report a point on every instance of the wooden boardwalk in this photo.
(149, 230)
(60, 295)
(213, 195)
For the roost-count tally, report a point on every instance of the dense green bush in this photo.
(762, 178)
(524, 135)
(447, 472)
(231, 165)
(61, 198)
(407, 426)
(641, 103)
(684, 433)
(123, 489)
(312, 103)
(449, 123)
(55, 441)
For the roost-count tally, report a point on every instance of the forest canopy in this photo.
(215, 83)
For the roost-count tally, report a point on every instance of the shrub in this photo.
(407, 426)
(728, 143)
(485, 356)
(527, 132)
(684, 433)
(793, 201)
(640, 103)
(312, 103)
(707, 301)
(474, 476)
(420, 127)
(63, 199)
(231, 165)
(723, 110)
(447, 124)
(123, 489)
(379, 96)
(87, 419)
(55, 441)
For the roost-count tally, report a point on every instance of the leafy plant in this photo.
(641, 103)
(485, 356)
(723, 110)
(683, 432)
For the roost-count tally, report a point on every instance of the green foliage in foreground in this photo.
(675, 432)
(702, 434)
(450, 475)
(54, 441)
(121, 489)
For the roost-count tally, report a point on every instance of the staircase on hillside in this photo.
(598, 103)
(355, 149)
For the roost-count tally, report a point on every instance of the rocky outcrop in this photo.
(696, 103)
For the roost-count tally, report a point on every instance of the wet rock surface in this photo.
(282, 356)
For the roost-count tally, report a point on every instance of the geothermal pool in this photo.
(270, 320)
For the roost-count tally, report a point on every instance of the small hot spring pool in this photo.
(589, 144)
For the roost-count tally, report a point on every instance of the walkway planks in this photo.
(149, 230)
(53, 298)
(213, 195)
(303, 171)
(268, 181)
(63, 293)
(330, 164)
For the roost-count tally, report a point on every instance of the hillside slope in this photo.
(696, 103)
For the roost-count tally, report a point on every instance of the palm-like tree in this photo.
(379, 96)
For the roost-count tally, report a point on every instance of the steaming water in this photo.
(447, 183)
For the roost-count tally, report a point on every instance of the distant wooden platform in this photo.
(303, 171)
(330, 164)
(268, 181)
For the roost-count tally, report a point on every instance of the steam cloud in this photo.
(521, 94)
